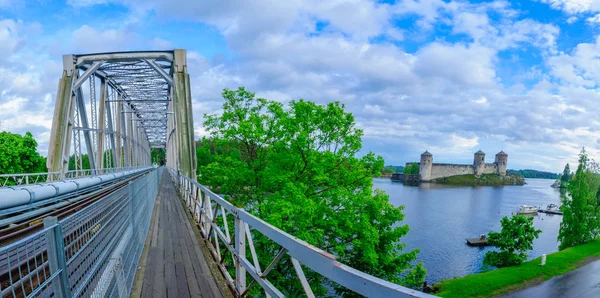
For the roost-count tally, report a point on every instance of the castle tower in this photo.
(501, 162)
(478, 163)
(425, 166)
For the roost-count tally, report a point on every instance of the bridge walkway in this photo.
(173, 263)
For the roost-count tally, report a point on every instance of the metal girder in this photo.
(144, 102)
(87, 74)
(160, 71)
(126, 56)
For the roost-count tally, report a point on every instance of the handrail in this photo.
(34, 178)
(199, 200)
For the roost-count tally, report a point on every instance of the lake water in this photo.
(441, 217)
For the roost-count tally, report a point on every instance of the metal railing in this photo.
(213, 215)
(92, 253)
(34, 178)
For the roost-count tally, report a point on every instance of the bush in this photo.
(515, 239)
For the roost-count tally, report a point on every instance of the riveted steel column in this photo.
(62, 126)
(119, 132)
(111, 132)
(101, 125)
(85, 125)
(183, 116)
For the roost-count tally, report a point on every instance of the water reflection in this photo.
(441, 217)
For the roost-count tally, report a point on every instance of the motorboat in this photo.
(552, 207)
(526, 209)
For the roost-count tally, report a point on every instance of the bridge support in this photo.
(62, 125)
(183, 145)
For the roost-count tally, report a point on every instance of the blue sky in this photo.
(447, 76)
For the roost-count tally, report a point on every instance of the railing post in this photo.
(56, 257)
(240, 248)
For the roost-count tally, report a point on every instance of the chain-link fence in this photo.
(92, 253)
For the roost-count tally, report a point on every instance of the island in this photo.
(479, 173)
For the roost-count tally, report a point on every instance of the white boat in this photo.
(526, 209)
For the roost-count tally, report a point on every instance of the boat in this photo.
(551, 209)
(526, 209)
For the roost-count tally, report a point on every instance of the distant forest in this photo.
(392, 169)
(527, 173)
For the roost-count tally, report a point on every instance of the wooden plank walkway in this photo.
(173, 263)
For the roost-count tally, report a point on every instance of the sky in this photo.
(450, 77)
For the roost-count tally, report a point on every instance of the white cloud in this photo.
(90, 40)
(574, 6)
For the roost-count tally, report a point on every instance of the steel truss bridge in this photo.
(79, 232)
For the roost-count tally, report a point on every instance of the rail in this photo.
(209, 210)
(92, 253)
(34, 178)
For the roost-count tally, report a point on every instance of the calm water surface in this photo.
(441, 217)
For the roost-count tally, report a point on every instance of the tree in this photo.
(411, 169)
(18, 154)
(579, 224)
(514, 240)
(297, 169)
(566, 176)
(158, 156)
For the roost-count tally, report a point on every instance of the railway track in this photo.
(33, 253)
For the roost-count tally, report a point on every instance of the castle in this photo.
(430, 171)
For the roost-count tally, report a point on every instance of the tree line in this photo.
(528, 173)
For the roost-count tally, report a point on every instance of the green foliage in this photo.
(296, 168)
(388, 170)
(514, 240)
(18, 154)
(497, 282)
(566, 175)
(85, 162)
(580, 223)
(158, 156)
(528, 173)
(411, 169)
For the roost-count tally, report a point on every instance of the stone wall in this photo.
(490, 168)
(439, 170)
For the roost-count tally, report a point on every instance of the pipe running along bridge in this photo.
(123, 227)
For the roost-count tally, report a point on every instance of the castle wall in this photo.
(490, 168)
(439, 170)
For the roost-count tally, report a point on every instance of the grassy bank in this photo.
(485, 179)
(503, 280)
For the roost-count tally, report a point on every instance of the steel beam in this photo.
(60, 135)
(101, 126)
(112, 134)
(160, 71)
(183, 115)
(86, 133)
(87, 74)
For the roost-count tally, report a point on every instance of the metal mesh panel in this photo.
(25, 268)
(100, 247)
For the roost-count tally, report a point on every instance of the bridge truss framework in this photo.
(123, 104)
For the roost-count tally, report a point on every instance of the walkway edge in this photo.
(138, 281)
(221, 285)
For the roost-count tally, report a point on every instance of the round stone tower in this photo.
(478, 163)
(501, 161)
(425, 166)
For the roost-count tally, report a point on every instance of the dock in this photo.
(480, 241)
(550, 211)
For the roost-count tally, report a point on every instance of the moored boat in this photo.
(526, 209)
